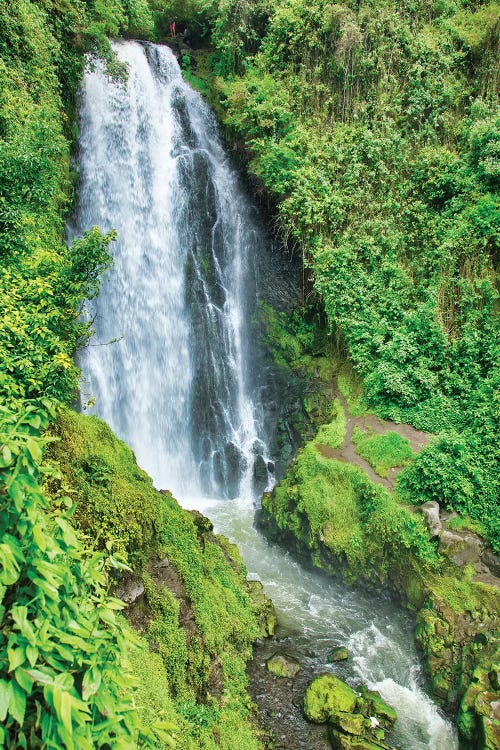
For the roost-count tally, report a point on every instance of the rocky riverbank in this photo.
(352, 526)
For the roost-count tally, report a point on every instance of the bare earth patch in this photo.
(375, 425)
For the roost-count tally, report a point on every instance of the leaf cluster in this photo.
(64, 682)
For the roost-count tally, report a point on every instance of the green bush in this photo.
(376, 129)
(63, 679)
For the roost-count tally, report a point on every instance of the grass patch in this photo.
(456, 523)
(383, 452)
(333, 433)
(351, 387)
(458, 589)
(325, 502)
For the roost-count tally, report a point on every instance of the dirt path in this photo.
(371, 423)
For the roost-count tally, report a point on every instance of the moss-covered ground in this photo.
(383, 452)
(195, 614)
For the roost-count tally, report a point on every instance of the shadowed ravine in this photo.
(182, 385)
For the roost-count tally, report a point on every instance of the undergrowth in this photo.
(383, 452)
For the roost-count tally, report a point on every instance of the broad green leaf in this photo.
(118, 564)
(34, 449)
(17, 703)
(69, 535)
(66, 737)
(107, 615)
(17, 493)
(5, 693)
(9, 567)
(24, 680)
(20, 617)
(35, 421)
(41, 677)
(32, 655)
(65, 681)
(39, 537)
(66, 701)
(91, 682)
(116, 604)
(16, 656)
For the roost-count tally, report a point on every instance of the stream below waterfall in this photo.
(184, 383)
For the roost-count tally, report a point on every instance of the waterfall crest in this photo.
(177, 385)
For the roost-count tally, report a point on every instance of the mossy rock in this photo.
(327, 697)
(281, 665)
(494, 675)
(490, 730)
(339, 653)
(264, 608)
(375, 705)
(341, 741)
(350, 723)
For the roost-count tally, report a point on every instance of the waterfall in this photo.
(176, 385)
(173, 370)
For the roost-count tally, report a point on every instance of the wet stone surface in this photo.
(280, 700)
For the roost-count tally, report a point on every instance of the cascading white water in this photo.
(179, 384)
(180, 295)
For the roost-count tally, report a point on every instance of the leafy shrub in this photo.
(63, 681)
(376, 128)
(460, 472)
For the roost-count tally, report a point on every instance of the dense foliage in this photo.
(333, 504)
(376, 127)
(64, 681)
(43, 284)
(195, 612)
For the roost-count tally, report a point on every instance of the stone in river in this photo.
(282, 665)
(339, 653)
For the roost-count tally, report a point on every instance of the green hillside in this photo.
(375, 127)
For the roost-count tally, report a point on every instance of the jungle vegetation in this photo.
(374, 127)
(73, 672)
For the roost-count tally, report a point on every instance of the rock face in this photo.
(461, 548)
(430, 512)
(282, 665)
(131, 591)
(479, 714)
(358, 720)
(266, 613)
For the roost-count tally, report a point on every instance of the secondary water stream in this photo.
(183, 384)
